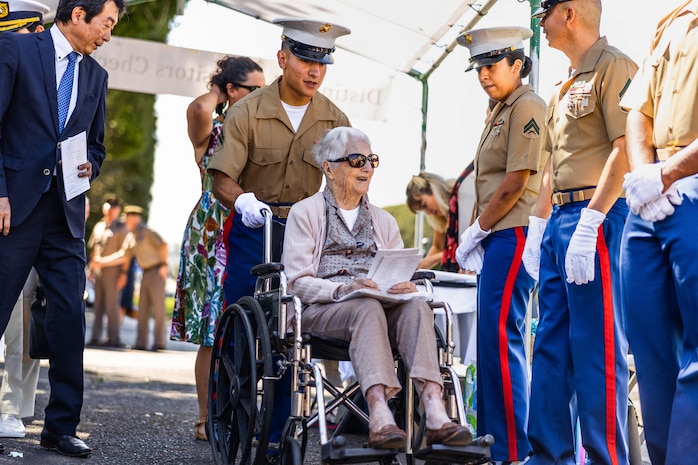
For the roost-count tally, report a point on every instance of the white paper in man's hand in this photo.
(74, 154)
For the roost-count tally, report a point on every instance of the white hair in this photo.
(335, 142)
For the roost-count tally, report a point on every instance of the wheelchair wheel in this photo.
(294, 439)
(241, 395)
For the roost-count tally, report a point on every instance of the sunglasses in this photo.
(358, 160)
(250, 88)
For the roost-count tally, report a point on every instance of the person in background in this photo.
(580, 368)
(18, 391)
(109, 252)
(40, 225)
(430, 192)
(460, 208)
(263, 162)
(323, 229)
(199, 296)
(658, 250)
(506, 187)
(150, 251)
(128, 307)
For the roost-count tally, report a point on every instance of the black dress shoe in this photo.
(70, 446)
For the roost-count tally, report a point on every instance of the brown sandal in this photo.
(197, 434)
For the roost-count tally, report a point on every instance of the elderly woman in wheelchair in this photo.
(331, 239)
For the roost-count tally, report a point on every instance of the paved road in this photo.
(139, 408)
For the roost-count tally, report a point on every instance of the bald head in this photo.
(588, 13)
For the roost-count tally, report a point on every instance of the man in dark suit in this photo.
(41, 226)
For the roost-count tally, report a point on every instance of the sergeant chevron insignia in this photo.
(531, 129)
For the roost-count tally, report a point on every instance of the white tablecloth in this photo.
(463, 302)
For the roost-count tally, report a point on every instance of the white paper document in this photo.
(391, 267)
(74, 154)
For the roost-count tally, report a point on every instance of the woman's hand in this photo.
(403, 288)
(355, 285)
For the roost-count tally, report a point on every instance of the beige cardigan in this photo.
(305, 237)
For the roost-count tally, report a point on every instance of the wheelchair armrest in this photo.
(266, 268)
(429, 275)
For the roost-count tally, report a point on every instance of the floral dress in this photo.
(199, 297)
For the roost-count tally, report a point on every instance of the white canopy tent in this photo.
(411, 36)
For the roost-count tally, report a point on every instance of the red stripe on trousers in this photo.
(227, 225)
(504, 309)
(609, 346)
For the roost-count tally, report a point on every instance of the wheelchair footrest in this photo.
(335, 451)
(474, 454)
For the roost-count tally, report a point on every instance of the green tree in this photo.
(406, 220)
(131, 121)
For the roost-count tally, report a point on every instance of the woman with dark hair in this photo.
(506, 188)
(199, 297)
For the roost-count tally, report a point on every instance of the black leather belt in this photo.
(563, 198)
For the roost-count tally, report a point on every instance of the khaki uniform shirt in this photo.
(511, 142)
(261, 152)
(147, 247)
(666, 88)
(110, 240)
(584, 117)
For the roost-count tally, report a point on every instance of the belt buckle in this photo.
(559, 198)
(282, 211)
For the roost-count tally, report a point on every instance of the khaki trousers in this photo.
(107, 304)
(18, 390)
(372, 330)
(152, 296)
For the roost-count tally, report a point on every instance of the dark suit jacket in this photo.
(29, 140)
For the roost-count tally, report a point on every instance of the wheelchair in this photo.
(253, 350)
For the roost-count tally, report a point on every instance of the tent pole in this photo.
(419, 218)
(535, 47)
(534, 81)
(424, 79)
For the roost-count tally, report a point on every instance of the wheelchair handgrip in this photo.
(423, 275)
(266, 268)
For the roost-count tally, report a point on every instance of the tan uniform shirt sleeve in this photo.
(147, 249)
(667, 87)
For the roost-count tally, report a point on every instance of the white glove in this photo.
(473, 261)
(470, 239)
(531, 252)
(251, 210)
(659, 209)
(643, 185)
(581, 252)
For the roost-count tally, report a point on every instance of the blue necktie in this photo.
(65, 91)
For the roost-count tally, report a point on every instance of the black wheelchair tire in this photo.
(241, 393)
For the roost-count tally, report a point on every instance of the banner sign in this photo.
(156, 68)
